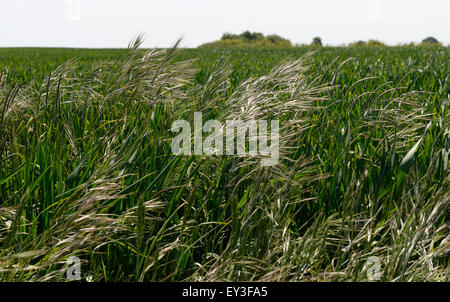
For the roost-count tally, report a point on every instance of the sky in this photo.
(113, 23)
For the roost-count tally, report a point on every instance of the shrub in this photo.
(249, 39)
(228, 36)
(317, 41)
(375, 43)
(252, 36)
(430, 41)
(358, 43)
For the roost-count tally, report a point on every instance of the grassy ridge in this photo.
(87, 170)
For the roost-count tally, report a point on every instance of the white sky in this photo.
(112, 23)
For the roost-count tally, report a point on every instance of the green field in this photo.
(87, 170)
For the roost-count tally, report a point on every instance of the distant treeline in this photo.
(256, 39)
(249, 39)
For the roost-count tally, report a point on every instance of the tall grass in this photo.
(87, 170)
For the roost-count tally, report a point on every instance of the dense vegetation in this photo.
(86, 167)
(249, 39)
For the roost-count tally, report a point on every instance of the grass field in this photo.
(87, 170)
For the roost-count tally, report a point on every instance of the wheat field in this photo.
(87, 170)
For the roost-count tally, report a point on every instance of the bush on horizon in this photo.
(249, 39)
